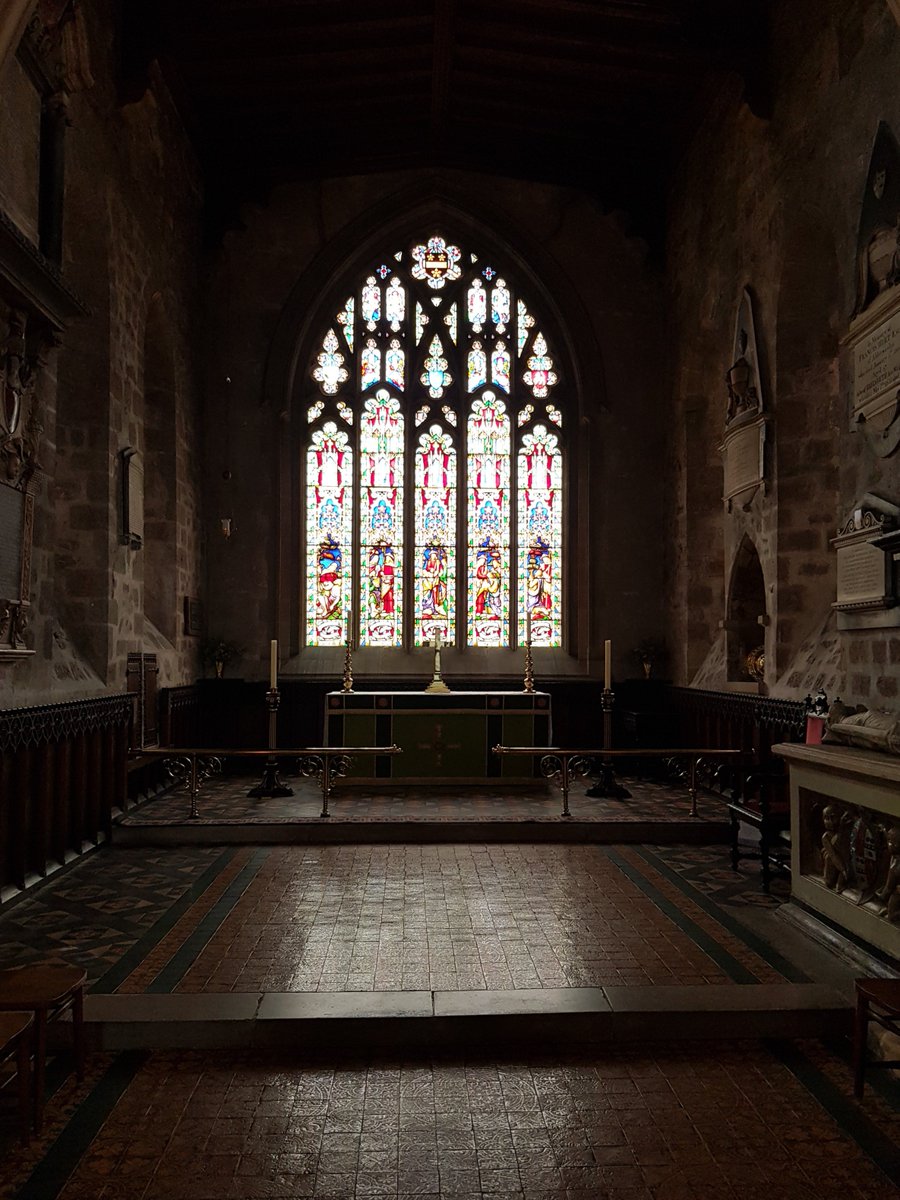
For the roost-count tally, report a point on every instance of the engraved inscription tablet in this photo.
(876, 373)
(861, 573)
(743, 459)
(12, 513)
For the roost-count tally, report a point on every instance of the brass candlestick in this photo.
(528, 683)
(347, 684)
(606, 787)
(271, 784)
(437, 684)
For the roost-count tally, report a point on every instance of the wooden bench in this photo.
(46, 991)
(15, 1039)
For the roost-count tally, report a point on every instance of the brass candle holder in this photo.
(528, 682)
(347, 682)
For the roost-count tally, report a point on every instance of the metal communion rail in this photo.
(193, 766)
(564, 765)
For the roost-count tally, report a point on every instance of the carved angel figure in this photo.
(889, 895)
(835, 848)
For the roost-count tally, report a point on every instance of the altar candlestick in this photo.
(527, 623)
(607, 664)
(273, 664)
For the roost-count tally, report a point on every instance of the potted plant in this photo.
(650, 653)
(217, 652)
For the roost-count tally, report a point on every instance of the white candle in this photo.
(273, 664)
(607, 664)
(527, 622)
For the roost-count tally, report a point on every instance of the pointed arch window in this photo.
(434, 460)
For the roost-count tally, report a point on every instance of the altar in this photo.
(443, 735)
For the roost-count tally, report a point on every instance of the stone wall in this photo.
(267, 289)
(131, 247)
(772, 202)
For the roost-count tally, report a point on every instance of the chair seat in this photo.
(885, 993)
(39, 987)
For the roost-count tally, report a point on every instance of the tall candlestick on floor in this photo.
(528, 682)
(606, 786)
(271, 784)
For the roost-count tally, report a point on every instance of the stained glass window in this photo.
(329, 513)
(434, 458)
(539, 500)
(435, 552)
(381, 446)
(488, 522)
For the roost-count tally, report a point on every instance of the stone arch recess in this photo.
(401, 216)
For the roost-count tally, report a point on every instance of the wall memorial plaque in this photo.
(866, 583)
(12, 524)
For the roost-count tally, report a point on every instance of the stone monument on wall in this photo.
(871, 347)
(743, 446)
(868, 547)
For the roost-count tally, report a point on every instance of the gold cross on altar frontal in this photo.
(437, 745)
(437, 684)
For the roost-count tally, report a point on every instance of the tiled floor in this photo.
(225, 801)
(446, 917)
(741, 1121)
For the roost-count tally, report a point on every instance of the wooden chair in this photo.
(877, 1000)
(46, 991)
(15, 1038)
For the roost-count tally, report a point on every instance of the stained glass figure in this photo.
(526, 322)
(540, 376)
(450, 320)
(449, 415)
(435, 525)
(488, 522)
(421, 321)
(422, 414)
(370, 308)
(395, 304)
(500, 366)
(436, 262)
(554, 415)
(525, 415)
(436, 376)
(500, 301)
(477, 375)
(345, 320)
(345, 412)
(370, 364)
(329, 506)
(330, 373)
(476, 305)
(539, 528)
(381, 445)
(314, 410)
(395, 364)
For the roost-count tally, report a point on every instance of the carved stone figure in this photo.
(742, 395)
(889, 894)
(869, 729)
(835, 848)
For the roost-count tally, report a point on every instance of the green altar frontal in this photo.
(443, 735)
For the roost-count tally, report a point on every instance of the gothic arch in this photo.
(746, 612)
(320, 287)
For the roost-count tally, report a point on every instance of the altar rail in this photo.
(192, 765)
(562, 765)
(62, 772)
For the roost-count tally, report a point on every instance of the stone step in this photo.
(332, 831)
(337, 1023)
